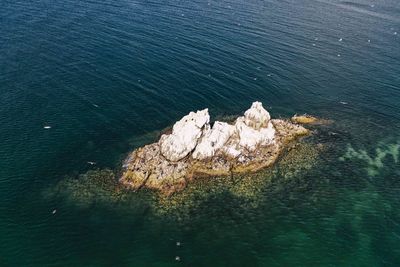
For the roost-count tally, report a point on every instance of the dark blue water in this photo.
(108, 75)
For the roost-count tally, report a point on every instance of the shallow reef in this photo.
(101, 187)
(248, 188)
(374, 161)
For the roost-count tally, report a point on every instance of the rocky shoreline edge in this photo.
(196, 148)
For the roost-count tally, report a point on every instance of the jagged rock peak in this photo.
(193, 133)
(213, 139)
(250, 138)
(256, 116)
(184, 136)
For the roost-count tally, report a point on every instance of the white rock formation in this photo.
(250, 138)
(232, 150)
(256, 116)
(193, 133)
(255, 128)
(185, 135)
(213, 139)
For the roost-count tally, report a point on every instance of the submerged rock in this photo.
(194, 149)
(304, 119)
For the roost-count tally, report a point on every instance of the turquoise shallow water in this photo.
(108, 75)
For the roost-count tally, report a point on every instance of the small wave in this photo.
(349, 3)
(363, 9)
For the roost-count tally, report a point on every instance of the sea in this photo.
(83, 83)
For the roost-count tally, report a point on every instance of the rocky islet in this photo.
(196, 148)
